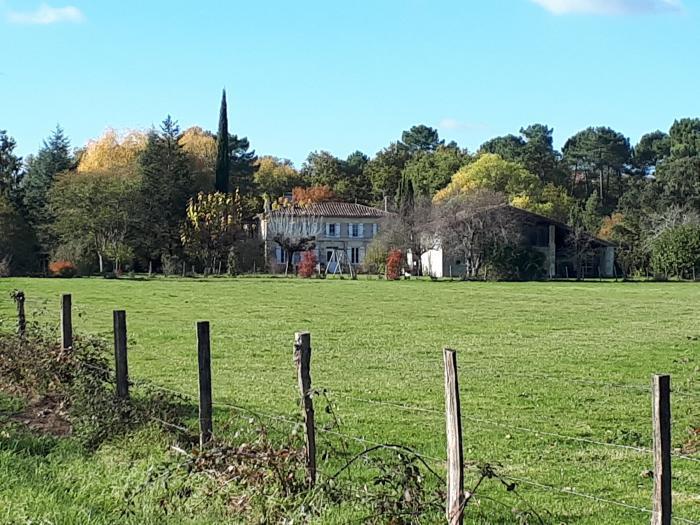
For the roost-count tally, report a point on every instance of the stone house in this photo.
(346, 230)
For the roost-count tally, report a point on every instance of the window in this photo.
(281, 255)
(355, 256)
(332, 230)
(354, 230)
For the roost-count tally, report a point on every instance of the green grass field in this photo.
(565, 358)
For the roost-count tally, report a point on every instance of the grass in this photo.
(531, 355)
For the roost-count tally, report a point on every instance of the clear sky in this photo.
(344, 75)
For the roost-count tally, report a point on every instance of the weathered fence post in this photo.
(455, 458)
(302, 358)
(661, 420)
(120, 357)
(205, 400)
(66, 321)
(18, 296)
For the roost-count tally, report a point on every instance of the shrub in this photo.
(393, 265)
(510, 262)
(5, 269)
(79, 254)
(677, 251)
(170, 265)
(307, 266)
(375, 259)
(63, 269)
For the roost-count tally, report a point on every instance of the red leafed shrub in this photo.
(393, 265)
(307, 266)
(62, 269)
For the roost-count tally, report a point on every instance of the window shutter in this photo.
(374, 229)
(361, 232)
(349, 255)
(328, 230)
(337, 229)
(278, 254)
(361, 255)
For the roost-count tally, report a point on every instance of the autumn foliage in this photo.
(393, 265)
(307, 266)
(62, 269)
(312, 195)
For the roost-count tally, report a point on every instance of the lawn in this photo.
(565, 358)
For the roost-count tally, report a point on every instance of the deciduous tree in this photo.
(211, 228)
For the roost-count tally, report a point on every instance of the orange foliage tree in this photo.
(393, 265)
(312, 195)
(307, 266)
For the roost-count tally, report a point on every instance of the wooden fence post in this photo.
(302, 358)
(455, 457)
(120, 358)
(661, 421)
(19, 298)
(66, 322)
(205, 400)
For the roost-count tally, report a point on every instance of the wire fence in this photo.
(437, 414)
(292, 423)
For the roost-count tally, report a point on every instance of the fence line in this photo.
(662, 454)
(511, 426)
(571, 492)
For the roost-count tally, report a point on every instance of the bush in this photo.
(64, 269)
(375, 259)
(676, 252)
(170, 265)
(393, 265)
(80, 255)
(5, 269)
(520, 263)
(307, 266)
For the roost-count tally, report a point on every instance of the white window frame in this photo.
(354, 230)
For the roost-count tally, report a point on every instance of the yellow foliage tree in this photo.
(275, 177)
(113, 152)
(200, 146)
(523, 189)
(491, 172)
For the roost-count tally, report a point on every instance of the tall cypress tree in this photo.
(223, 155)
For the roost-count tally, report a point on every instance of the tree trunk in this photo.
(101, 262)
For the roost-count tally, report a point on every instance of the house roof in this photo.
(541, 218)
(336, 209)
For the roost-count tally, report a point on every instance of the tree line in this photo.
(168, 199)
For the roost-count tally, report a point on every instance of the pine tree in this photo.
(10, 165)
(53, 158)
(166, 186)
(223, 153)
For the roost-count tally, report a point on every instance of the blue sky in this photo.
(340, 76)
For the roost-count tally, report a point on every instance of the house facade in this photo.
(549, 237)
(346, 230)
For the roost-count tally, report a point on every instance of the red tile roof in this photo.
(337, 209)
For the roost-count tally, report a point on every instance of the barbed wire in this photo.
(585, 495)
(513, 427)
